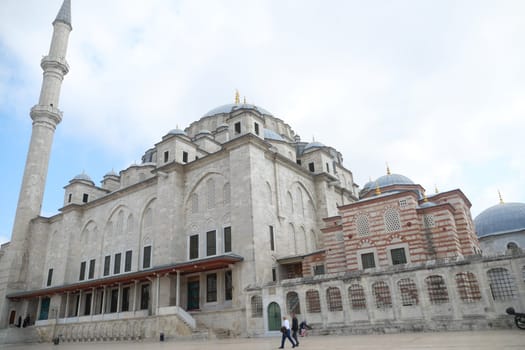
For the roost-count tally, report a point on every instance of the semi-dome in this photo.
(235, 106)
(500, 218)
(272, 135)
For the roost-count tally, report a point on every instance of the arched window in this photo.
(437, 289)
(501, 284)
(333, 299)
(357, 297)
(313, 304)
(408, 292)
(257, 310)
(292, 303)
(382, 295)
(362, 225)
(468, 287)
(392, 220)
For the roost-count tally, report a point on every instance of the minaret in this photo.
(45, 116)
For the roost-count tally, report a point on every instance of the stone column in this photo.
(177, 299)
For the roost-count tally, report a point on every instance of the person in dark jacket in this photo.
(295, 328)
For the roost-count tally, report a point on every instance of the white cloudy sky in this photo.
(434, 88)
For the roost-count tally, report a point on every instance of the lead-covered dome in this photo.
(388, 180)
(501, 218)
(224, 109)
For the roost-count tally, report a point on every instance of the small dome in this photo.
(111, 173)
(427, 204)
(393, 179)
(500, 218)
(177, 132)
(225, 109)
(313, 145)
(82, 177)
(272, 135)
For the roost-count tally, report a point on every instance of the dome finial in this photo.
(425, 199)
(388, 169)
(378, 190)
(436, 188)
(500, 198)
(237, 97)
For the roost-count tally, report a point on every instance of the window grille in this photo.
(428, 221)
(257, 310)
(437, 289)
(502, 284)
(468, 287)
(368, 260)
(398, 256)
(382, 295)
(392, 220)
(292, 303)
(403, 203)
(318, 270)
(313, 304)
(408, 292)
(333, 299)
(362, 225)
(357, 297)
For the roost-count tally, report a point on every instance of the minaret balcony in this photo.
(38, 112)
(49, 62)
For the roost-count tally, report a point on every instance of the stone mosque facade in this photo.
(234, 222)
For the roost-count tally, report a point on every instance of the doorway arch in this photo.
(274, 317)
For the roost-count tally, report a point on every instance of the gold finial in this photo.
(378, 190)
(388, 169)
(436, 189)
(500, 198)
(244, 100)
(237, 97)
(425, 199)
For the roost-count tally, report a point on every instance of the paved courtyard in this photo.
(479, 340)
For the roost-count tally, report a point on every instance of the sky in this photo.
(436, 89)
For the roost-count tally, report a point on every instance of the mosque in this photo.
(233, 222)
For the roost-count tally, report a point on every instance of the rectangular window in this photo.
(311, 167)
(82, 271)
(398, 256)
(368, 260)
(211, 287)
(91, 273)
(237, 127)
(298, 161)
(144, 297)
(125, 298)
(87, 304)
(228, 285)
(184, 157)
(327, 167)
(211, 247)
(146, 262)
(318, 270)
(127, 261)
(272, 243)
(85, 198)
(274, 274)
(227, 239)
(194, 247)
(69, 198)
(116, 264)
(107, 264)
(113, 301)
(166, 156)
(256, 128)
(49, 277)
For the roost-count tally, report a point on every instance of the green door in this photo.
(193, 295)
(274, 317)
(44, 309)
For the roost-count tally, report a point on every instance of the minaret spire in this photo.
(46, 116)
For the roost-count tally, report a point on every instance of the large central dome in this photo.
(501, 218)
(225, 109)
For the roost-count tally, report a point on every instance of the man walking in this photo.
(295, 328)
(285, 329)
